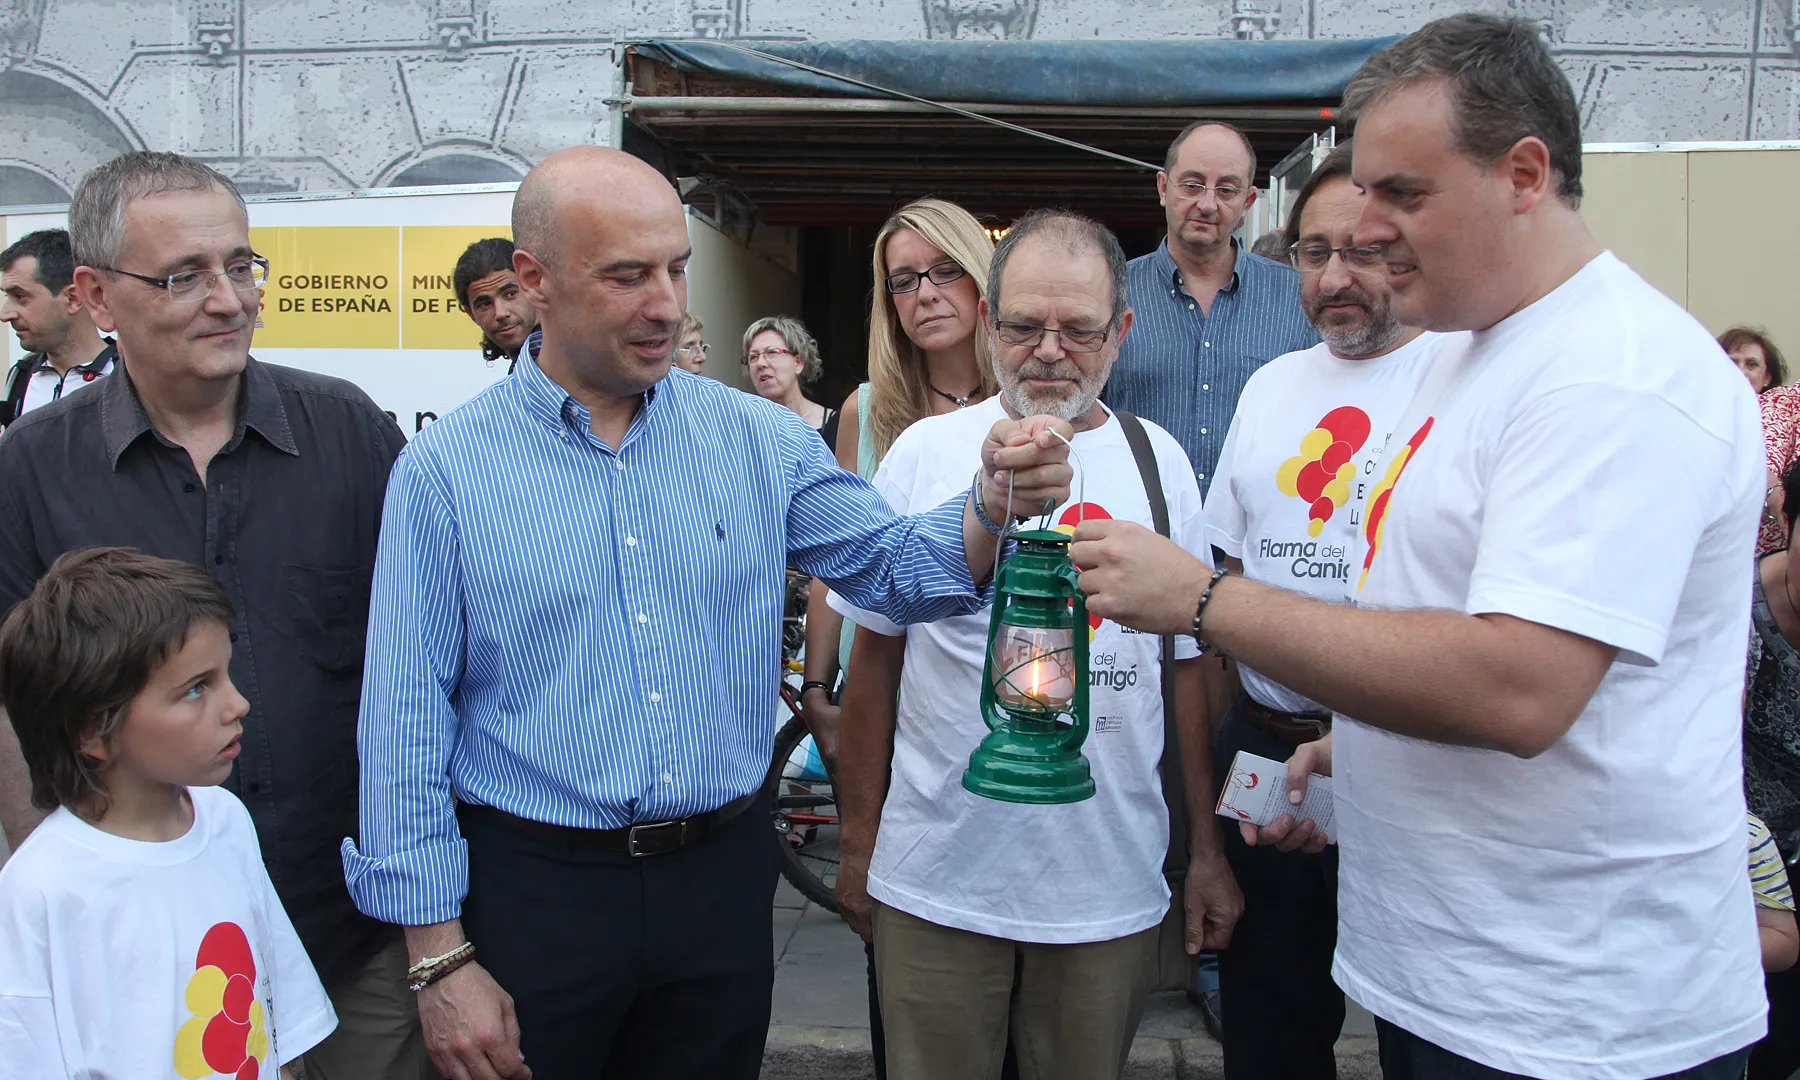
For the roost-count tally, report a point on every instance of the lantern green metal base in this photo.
(1029, 767)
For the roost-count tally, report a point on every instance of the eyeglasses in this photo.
(1073, 340)
(246, 275)
(700, 349)
(1313, 258)
(942, 274)
(1226, 193)
(770, 355)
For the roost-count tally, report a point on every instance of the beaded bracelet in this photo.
(1200, 609)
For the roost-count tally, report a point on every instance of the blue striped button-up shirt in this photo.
(1183, 368)
(592, 637)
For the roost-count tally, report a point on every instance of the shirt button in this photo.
(189, 488)
(234, 635)
(668, 778)
(631, 541)
(1206, 386)
(1190, 307)
(1202, 431)
(642, 618)
(1202, 476)
(218, 560)
(1206, 344)
(619, 465)
(655, 697)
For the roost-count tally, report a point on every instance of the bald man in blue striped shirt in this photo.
(1209, 312)
(573, 654)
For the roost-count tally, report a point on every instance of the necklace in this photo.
(961, 402)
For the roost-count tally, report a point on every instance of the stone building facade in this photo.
(292, 95)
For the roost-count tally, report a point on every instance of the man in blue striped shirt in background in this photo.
(1209, 312)
(573, 655)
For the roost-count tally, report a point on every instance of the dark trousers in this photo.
(626, 968)
(1281, 1012)
(1405, 1056)
(1778, 1054)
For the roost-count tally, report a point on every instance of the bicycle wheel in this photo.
(802, 804)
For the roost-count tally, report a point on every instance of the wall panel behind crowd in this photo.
(360, 288)
(1709, 225)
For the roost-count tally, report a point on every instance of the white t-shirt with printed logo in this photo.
(1587, 464)
(121, 958)
(1296, 470)
(1087, 871)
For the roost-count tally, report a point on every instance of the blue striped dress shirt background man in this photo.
(1209, 312)
(574, 652)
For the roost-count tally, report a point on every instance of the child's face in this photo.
(183, 727)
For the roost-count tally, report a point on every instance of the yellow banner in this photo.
(330, 287)
(431, 316)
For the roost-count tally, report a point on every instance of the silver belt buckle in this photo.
(631, 838)
(1320, 724)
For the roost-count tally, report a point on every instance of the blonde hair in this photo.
(899, 394)
(690, 323)
(793, 334)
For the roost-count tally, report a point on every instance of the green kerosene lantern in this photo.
(1034, 689)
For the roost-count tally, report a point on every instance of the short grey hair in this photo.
(1504, 86)
(798, 339)
(1078, 234)
(97, 212)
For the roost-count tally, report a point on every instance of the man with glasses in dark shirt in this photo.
(1209, 312)
(273, 480)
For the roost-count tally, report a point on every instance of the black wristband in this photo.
(810, 683)
(1200, 609)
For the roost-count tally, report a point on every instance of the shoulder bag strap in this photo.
(1175, 862)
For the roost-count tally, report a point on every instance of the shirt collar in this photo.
(1166, 270)
(123, 420)
(97, 366)
(546, 399)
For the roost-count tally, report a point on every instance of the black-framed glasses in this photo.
(245, 275)
(1225, 193)
(942, 274)
(1313, 258)
(1073, 340)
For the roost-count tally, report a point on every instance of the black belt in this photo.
(649, 838)
(1291, 728)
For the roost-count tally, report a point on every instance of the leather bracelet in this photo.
(433, 968)
(1200, 608)
(810, 683)
(981, 514)
(441, 970)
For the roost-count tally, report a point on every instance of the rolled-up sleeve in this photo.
(909, 569)
(412, 868)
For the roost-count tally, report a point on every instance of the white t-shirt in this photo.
(1288, 493)
(1087, 871)
(1587, 464)
(121, 958)
(45, 384)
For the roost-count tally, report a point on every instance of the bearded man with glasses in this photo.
(269, 478)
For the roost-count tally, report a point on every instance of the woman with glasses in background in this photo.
(928, 354)
(691, 348)
(779, 353)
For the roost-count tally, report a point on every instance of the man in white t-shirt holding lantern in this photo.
(1537, 746)
(995, 919)
(1286, 508)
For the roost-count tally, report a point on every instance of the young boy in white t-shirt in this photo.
(139, 933)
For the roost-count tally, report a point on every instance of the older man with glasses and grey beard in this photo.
(988, 917)
(1287, 501)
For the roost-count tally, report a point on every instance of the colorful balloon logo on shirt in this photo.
(1074, 515)
(1383, 493)
(1321, 472)
(227, 1033)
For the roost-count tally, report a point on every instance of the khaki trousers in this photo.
(377, 1036)
(949, 998)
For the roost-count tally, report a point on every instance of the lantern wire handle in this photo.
(1011, 526)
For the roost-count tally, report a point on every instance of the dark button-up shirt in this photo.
(1184, 368)
(286, 520)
